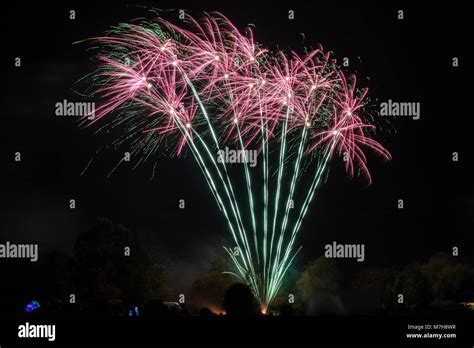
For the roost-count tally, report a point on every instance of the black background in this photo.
(408, 60)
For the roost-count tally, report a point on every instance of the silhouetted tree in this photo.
(414, 286)
(382, 281)
(318, 286)
(321, 274)
(205, 312)
(449, 277)
(106, 273)
(56, 276)
(209, 289)
(240, 302)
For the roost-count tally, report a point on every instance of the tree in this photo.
(321, 274)
(448, 277)
(156, 287)
(240, 302)
(414, 286)
(56, 276)
(209, 289)
(383, 281)
(111, 267)
(318, 286)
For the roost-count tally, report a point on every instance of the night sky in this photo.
(408, 61)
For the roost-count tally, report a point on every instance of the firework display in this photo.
(206, 87)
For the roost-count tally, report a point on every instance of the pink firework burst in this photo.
(206, 86)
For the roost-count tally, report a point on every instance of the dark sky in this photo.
(407, 60)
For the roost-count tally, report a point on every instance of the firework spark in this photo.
(208, 86)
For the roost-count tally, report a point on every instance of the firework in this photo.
(210, 86)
